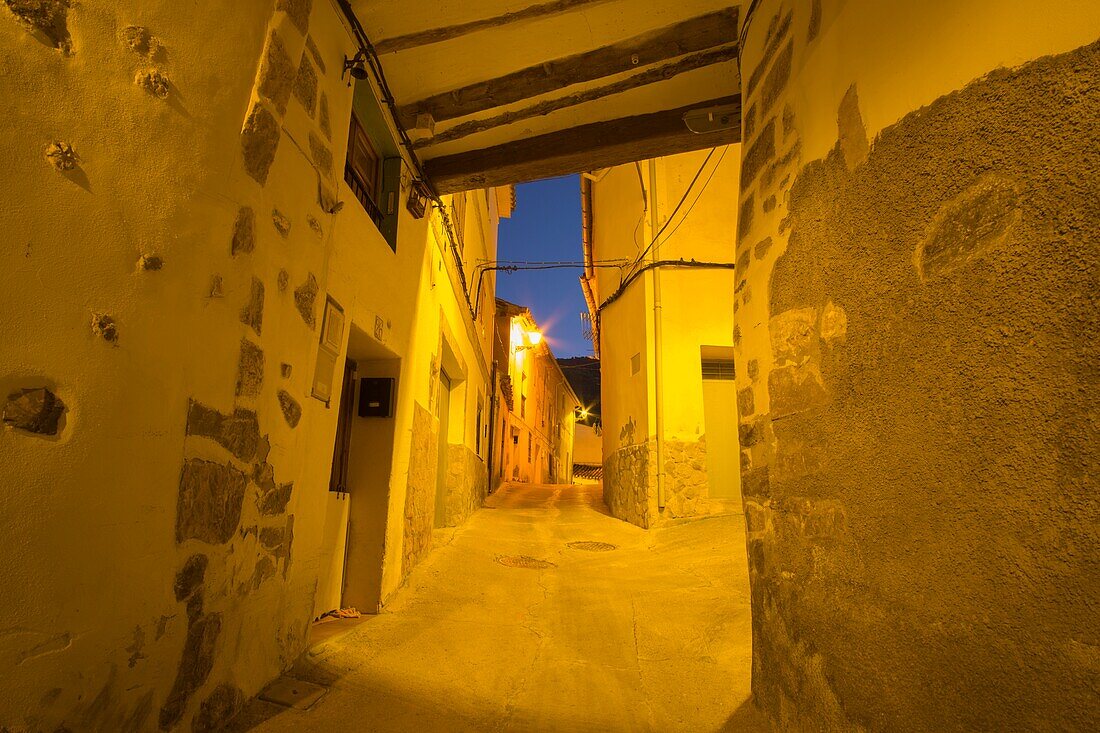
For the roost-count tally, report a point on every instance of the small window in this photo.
(363, 169)
(523, 406)
(721, 369)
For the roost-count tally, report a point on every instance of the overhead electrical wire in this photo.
(672, 216)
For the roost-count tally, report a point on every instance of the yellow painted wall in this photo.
(91, 514)
(696, 303)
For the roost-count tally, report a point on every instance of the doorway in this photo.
(359, 483)
(719, 404)
(442, 412)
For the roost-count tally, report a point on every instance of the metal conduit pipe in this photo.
(657, 337)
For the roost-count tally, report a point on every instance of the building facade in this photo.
(536, 409)
(663, 326)
(269, 340)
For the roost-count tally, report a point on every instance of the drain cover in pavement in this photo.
(593, 546)
(292, 693)
(524, 561)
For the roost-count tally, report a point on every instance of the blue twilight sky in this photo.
(546, 226)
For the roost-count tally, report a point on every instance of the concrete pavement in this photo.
(506, 627)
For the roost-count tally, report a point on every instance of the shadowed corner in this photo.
(747, 719)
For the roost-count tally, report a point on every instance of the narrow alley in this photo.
(549, 366)
(543, 613)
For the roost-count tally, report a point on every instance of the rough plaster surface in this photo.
(467, 484)
(420, 494)
(920, 495)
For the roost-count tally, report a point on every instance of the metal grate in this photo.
(718, 369)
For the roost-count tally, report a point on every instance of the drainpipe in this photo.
(492, 422)
(657, 337)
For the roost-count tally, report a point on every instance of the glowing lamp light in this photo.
(533, 338)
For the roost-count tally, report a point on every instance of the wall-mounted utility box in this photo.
(376, 396)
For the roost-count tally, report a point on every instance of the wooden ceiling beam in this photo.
(652, 75)
(587, 147)
(446, 33)
(690, 36)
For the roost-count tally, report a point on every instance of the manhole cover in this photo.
(293, 693)
(523, 561)
(590, 546)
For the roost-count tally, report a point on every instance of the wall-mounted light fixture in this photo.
(417, 203)
(357, 65)
(713, 119)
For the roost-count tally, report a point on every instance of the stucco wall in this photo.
(175, 235)
(917, 325)
(696, 310)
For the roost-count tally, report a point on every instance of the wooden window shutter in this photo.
(389, 199)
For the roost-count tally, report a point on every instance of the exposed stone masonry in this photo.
(420, 494)
(467, 484)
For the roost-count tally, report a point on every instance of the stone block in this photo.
(756, 483)
(315, 52)
(238, 433)
(795, 389)
(150, 263)
(292, 411)
(305, 86)
(259, 141)
(154, 82)
(746, 402)
(794, 336)
(137, 39)
(190, 576)
(762, 247)
(853, 135)
(244, 231)
(62, 156)
(744, 223)
(277, 73)
(105, 327)
(252, 315)
(195, 664)
(752, 369)
(281, 223)
(305, 296)
(323, 118)
(49, 18)
(283, 281)
(321, 155)
(37, 410)
(218, 708)
(777, 78)
(298, 12)
(759, 154)
(275, 501)
(250, 369)
(980, 217)
(210, 499)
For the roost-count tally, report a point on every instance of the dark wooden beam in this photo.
(584, 148)
(437, 35)
(649, 76)
(697, 34)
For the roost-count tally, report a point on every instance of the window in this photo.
(718, 369)
(373, 167)
(523, 406)
(362, 171)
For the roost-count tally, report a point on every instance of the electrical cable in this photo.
(671, 216)
(699, 195)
